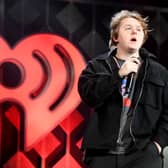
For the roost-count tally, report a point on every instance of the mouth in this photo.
(133, 39)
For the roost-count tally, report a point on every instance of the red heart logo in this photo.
(50, 66)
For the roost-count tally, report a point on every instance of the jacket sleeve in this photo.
(161, 135)
(96, 83)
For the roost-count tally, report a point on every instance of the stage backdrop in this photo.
(44, 45)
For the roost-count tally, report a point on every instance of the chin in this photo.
(133, 50)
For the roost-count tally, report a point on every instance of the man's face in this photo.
(130, 35)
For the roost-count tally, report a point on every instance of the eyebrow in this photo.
(139, 26)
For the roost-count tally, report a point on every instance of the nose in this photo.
(134, 31)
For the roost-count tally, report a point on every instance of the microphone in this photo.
(131, 81)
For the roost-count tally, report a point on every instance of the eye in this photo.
(139, 29)
(127, 28)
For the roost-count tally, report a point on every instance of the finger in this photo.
(135, 60)
(135, 68)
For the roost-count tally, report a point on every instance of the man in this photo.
(128, 90)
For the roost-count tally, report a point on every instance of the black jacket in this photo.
(99, 86)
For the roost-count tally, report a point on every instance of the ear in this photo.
(115, 39)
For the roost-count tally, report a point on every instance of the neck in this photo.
(124, 55)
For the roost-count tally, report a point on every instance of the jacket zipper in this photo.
(132, 135)
(131, 132)
(119, 140)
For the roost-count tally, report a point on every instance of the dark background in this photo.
(84, 22)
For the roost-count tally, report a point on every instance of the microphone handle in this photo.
(130, 82)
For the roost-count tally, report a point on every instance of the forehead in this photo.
(130, 21)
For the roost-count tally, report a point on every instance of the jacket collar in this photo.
(146, 54)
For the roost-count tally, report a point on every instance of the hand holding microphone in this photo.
(130, 66)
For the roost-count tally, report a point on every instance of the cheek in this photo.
(122, 38)
(142, 37)
(141, 41)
